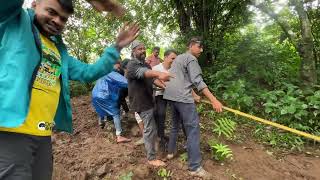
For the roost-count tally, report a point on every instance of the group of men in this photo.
(35, 69)
(175, 78)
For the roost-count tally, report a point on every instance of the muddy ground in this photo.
(92, 153)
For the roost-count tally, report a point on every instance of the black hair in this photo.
(67, 5)
(155, 48)
(195, 40)
(169, 51)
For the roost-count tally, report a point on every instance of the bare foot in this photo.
(121, 139)
(156, 163)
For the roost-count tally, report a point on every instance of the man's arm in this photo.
(9, 8)
(163, 76)
(108, 6)
(194, 72)
(214, 102)
(86, 73)
(137, 71)
(80, 71)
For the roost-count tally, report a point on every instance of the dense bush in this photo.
(255, 73)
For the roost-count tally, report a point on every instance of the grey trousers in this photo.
(25, 157)
(149, 133)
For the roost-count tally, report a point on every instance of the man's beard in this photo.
(141, 57)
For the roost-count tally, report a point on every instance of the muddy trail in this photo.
(92, 153)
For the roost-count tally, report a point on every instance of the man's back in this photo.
(186, 72)
(108, 87)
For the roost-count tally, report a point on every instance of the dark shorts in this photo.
(25, 157)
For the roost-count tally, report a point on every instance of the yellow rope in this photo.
(316, 138)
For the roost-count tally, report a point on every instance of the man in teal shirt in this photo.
(34, 63)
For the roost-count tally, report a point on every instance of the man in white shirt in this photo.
(160, 103)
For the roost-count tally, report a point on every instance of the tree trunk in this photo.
(308, 66)
(304, 45)
(184, 18)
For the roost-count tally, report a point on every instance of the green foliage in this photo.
(279, 140)
(126, 176)
(201, 108)
(78, 88)
(292, 106)
(226, 86)
(257, 72)
(220, 151)
(225, 127)
(89, 32)
(183, 157)
(164, 173)
(255, 68)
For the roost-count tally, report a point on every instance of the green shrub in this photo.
(279, 140)
(220, 151)
(291, 106)
(225, 127)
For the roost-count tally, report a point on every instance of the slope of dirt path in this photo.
(92, 153)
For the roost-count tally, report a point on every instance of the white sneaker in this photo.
(170, 156)
(200, 172)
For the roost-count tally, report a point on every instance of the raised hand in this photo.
(108, 6)
(127, 34)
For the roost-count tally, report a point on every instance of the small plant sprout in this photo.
(183, 157)
(164, 173)
(126, 176)
(220, 151)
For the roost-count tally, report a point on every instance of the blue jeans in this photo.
(116, 122)
(187, 113)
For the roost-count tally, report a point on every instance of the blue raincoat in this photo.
(105, 94)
